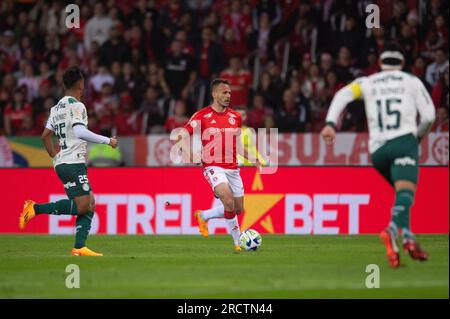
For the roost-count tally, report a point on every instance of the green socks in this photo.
(69, 207)
(400, 212)
(61, 207)
(83, 225)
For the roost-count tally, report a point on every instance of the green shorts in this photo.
(75, 180)
(398, 159)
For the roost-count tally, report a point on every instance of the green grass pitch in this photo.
(193, 267)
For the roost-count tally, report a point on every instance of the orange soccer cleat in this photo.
(389, 240)
(27, 213)
(84, 251)
(202, 224)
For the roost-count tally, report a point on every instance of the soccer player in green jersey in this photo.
(67, 121)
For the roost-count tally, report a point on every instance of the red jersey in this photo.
(240, 84)
(219, 134)
(17, 115)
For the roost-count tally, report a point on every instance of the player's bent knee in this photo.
(83, 209)
(228, 203)
(404, 184)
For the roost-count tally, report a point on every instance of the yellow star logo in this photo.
(257, 205)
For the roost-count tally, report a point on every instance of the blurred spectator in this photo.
(442, 29)
(440, 92)
(153, 113)
(344, 65)
(179, 72)
(435, 69)
(179, 119)
(240, 81)
(106, 99)
(16, 112)
(115, 49)
(100, 78)
(98, 27)
(262, 39)
(238, 20)
(29, 80)
(127, 121)
(312, 85)
(431, 43)
(409, 43)
(153, 38)
(350, 37)
(269, 7)
(291, 117)
(130, 81)
(27, 127)
(441, 123)
(231, 45)
(332, 85)
(258, 112)
(419, 69)
(209, 55)
(268, 90)
(326, 62)
(10, 47)
(372, 64)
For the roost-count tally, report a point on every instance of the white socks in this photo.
(215, 212)
(233, 228)
(232, 223)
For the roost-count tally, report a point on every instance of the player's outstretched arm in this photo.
(84, 134)
(48, 143)
(340, 100)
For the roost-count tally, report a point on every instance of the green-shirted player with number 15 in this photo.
(393, 99)
(68, 121)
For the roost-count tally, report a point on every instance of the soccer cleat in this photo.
(237, 248)
(416, 252)
(202, 224)
(27, 213)
(84, 251)
(389, 240)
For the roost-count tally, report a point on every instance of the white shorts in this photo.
(215, 175)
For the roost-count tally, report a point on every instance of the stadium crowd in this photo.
(148, 63)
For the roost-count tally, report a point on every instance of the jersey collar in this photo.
(219, 113)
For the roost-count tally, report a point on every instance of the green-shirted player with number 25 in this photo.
(393, 99)
(68, 121)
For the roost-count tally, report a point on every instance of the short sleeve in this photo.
(78, 114)
(49, 124)
(193, 122)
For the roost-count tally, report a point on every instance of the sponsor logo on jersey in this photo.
(232, 121)
(69, 185)
(193, 123)
(213, 130)
(207, 116)
(405, 161)
(85, 187)
(231, 114)
(213, 122)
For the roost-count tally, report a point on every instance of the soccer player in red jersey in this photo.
(220, 127)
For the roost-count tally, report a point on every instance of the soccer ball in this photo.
(250, 240)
